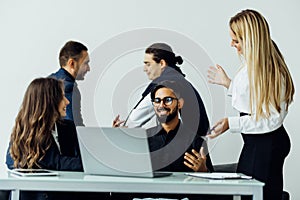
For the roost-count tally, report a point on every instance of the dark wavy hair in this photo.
(162, 51)
(31, 135)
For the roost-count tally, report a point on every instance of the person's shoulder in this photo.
(170, 74)
(150, 130)
(185, 129)
(63, 75)
(56, 74)
(65, 123)
(153, 130)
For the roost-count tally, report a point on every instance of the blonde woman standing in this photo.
(261, 91)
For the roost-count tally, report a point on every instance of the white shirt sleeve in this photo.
(248, 124)
(239, 90)
(143, 115)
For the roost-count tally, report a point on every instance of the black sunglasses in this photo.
(167, 101)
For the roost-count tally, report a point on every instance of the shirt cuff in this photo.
(234, 124)
(229, 90)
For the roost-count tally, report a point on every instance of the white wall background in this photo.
(32, 32)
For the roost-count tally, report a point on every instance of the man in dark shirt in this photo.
(74, 64)
(173, 146)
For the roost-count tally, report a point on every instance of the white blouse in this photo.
(55, 136)
(239, 91)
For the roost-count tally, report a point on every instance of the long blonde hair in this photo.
(31, 135)
(267, 70)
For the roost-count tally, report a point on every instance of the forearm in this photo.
(227, 83)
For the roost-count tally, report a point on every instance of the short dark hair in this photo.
(71, 49)
(167, 84)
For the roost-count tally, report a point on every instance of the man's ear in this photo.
(180, 103)
(71, 63)
(163, 63)
(70, 67)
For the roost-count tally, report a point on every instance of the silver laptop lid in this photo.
(115, 151)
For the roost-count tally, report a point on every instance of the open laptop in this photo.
(116, 152)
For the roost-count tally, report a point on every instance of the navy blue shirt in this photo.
(72, 93)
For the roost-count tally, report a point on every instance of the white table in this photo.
(177, 183)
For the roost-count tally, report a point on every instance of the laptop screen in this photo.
(115, 151)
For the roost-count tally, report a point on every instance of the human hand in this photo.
(217, 75)
(219, 128)
(117, 122)
(196, 161)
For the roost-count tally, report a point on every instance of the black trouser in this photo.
(262, 157)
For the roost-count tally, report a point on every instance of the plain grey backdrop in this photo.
(32, 32)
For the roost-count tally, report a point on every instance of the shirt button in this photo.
(45, 195)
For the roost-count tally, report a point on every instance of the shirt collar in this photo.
(171, 132)
(67, 74)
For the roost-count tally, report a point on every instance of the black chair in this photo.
(285, 195)
(231, 167)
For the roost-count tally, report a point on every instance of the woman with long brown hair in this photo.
(40, 138)
(35, 142)
(261, 91)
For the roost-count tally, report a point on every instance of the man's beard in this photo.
(167, 118)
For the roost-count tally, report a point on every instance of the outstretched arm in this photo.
(220, 127)
(217, 75)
